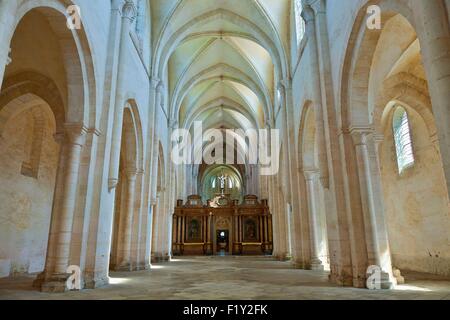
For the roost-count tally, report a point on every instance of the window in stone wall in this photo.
(140, 22)
(299, 22)
(402, 138)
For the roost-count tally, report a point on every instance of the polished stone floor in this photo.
(232, 278)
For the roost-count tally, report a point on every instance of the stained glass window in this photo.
(299, 22)
(402, 138)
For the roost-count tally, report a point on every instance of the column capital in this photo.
(155, 82)
(160, 87)
(359, 135)
(94, 131)
(129, 10)
(317, 5)
(75, 133)
(378, 137)
(307, 14)
(173, 123)
(131, 174)
(311, 174)
(285, 84)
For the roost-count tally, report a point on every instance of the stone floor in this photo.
(231, 278)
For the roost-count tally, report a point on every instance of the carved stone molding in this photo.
(129, 10)
(75, 133)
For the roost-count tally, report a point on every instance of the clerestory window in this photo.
(402, 139)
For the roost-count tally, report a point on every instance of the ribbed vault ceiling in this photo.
(222, 57)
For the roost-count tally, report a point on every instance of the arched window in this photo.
(299, 22)
(230, 183)
(142, 31)
(402, 139)
(140, 20)
(213, 183)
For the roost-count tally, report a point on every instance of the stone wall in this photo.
(416, 203)
(26, 201)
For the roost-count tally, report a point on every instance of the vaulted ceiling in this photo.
(221, 59)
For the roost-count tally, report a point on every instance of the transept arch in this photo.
(381, 73)
(62, 89)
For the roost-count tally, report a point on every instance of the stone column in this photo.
(55, 274)
(74, 141)
(158, 91)
(374, 228)
(298, 228)
(311, 178)
(149, 242)
(330, 158)
(310, 27)
(156, 247)
(128, 16)
(168, 210)
(125, 264)
(101, 215)
(434, 35)
(276, 221)
(160, 252)
(283, 232)
(362, 162)
(173, 125)
(374, 142)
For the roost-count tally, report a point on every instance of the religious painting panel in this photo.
(194, 230)
(250, 230)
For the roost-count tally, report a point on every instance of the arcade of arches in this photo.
(86, 118)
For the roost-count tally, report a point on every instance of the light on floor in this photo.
(405, 287)
(118, 280)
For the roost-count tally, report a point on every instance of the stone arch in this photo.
(161, 176)
(29, 161)
(70, 93)
(29, 84)
(133, 135)
(78, 60)
(312, 190)
(408, 198)
(126, 195)
(401, 89)
(363, 114)
(307, 153)
(359, 55)
(210, 170)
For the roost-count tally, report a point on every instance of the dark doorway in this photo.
(222, 242)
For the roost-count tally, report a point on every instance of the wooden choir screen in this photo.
(222, 227)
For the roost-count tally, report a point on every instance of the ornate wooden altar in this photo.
(222, 227)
